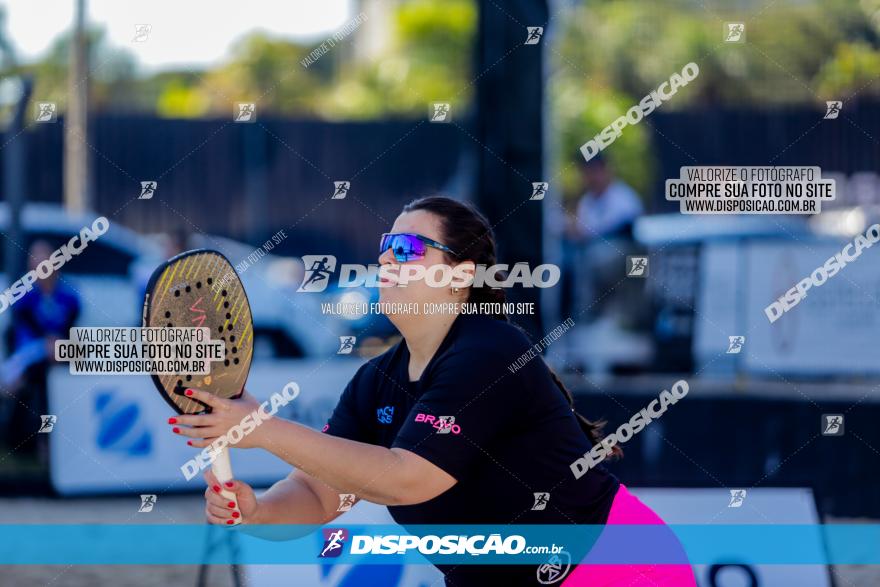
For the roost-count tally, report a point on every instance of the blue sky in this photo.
(184, 32)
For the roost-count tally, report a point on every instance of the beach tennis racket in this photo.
(200, 288)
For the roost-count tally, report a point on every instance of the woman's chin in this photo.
(390, 295)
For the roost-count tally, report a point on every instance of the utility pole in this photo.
(511, 84)
(76, 196)
(15, 183)
(14, 160)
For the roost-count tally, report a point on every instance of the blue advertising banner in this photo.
(845, 544)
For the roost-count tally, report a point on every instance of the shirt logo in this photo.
(385, 414)
(443, 424)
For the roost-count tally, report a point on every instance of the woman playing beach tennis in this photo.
(438, 428)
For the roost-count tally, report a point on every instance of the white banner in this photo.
(832, 331)
(759, 506)
(111, 432)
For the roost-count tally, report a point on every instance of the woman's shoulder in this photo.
(380, 364)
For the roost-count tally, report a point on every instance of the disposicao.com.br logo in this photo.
(450, 544)
(319, 269)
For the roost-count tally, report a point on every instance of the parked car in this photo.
(286, 324)
(111, 275)
(102, 275)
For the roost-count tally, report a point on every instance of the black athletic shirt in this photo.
(513, 435)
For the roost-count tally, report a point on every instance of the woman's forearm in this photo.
(290, 501)
(370, 472)
(285, 511)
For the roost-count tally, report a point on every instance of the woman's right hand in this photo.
(218, 509)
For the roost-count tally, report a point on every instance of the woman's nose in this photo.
(386, 257)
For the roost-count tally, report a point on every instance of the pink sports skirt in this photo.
(628, 509)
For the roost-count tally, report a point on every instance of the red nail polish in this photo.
(189, 442)
(229, 522)
(229, 484)
(235, 514)
(172, 420)
(189, 392)
(232, 504)
(176, 430)
(216, 488)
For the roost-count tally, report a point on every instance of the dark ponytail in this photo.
(467, 232)
(593, 429)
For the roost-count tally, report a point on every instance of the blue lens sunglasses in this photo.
(407, 246)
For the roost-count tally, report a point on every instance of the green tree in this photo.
(112, 73)
(261, 69)
(612, 53)
(428, 58)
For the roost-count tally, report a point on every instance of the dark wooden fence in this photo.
(849, 144)
(247, 181)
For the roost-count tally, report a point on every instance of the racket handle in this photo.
(222, 469)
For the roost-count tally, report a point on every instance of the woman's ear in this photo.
(463, 274)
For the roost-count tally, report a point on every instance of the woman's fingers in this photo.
(212, 519)
(210, 478)
(200, 432)
(202, 442)
(222, 513)
(218, 509)
(194, 420)
(213, 497)
(206, 398)
(200, 426)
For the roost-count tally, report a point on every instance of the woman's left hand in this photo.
(225, 413)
